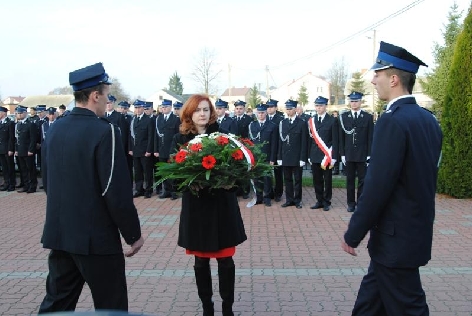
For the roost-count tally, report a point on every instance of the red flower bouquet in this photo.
(214, 161)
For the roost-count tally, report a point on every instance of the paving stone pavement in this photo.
(291, 264)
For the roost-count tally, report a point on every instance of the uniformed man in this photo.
(167, 125)
(45, 127)
(89, 202)
(242, 120)
(397, 202)
(355, 138)
(322, 150)
(42, 118)
(275, 117)
(123, 107)
(119, 120)
(26, 134)
(33, 114)
(266, 132)
(177, 107)
(141, 146)
(7, 150)
(301, 113)
(225, 124)
(292, 153)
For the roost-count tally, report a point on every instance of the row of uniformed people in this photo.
(21, 140)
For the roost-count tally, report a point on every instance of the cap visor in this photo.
(378, 66)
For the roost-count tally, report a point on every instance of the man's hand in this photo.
(130, 153)
(135, 247)
(30, 153)
(348, 249)
(146, 154)
(343, 158)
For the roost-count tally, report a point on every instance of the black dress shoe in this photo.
(4, 189)
(22, 191)
(10, 189)
(258, 202)
(351, 209)
(31, 190)
(147, 195)
(299, 205)
(20, 185)
(326, 208)
(138, 194)
(41, 187)
(278, 199)
(317, 205)
(164, 195)
(286, 204)
(245, 196)
(174, 196)
(267, 203)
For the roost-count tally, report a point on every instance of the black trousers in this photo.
(293, 184)
(167, 185)
(351, 169)
(279, 181)
(8, 169)
(104, 274)
(263, 188)
(391, 291)
(323, 183)
(27, 166)
(143, 174)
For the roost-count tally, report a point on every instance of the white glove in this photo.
(333, 161)
(343, 159)
(309, 161)
(279, 162)
(302, 163)
(367, 161)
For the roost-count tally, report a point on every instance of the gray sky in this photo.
(142, 42)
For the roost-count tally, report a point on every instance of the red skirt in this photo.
(226, 252)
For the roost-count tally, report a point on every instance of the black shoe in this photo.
(317, 205)
(138, 194)
(286, 204)
(278, 199)
(20, 185)
(22, 191)
(4, 189)
(164, 195)
(267, 203)
(10, 189)
(41, 187)
(245, 196)
(351, 209)
(174, 196)
(147, 195)
(32, 190)
(299, 205)
(326, 208)
(258, 202)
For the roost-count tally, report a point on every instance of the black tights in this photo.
(226, 262)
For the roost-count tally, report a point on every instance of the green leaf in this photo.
(207, 174)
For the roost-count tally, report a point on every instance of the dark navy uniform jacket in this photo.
(120, 120)
(26, 137)
(228, 126)
(165, 131)
(141, 139)
(356, 146)
(89, 198)
(328, 131)
(268, 134)
(397, 203)
(7, 136)
(243, 125)
(293, 141)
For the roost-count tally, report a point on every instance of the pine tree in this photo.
(358, 83)
(254, 98)
(456, 165)
(175, 85)
(437, 80)
(303, 95)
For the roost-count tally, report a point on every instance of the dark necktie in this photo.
(165, 118)
(260, 123)
(319, 119)
(355, 115)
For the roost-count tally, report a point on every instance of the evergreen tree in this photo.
(303, 95)
(456, 165)
(358, 83)
(254, 98)
(436, 81)
(175, 84)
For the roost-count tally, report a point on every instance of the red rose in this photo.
(208, 162)
(196, 147)
(180, 157)
(238, 155)
(222, 140)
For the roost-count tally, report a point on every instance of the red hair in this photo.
(187, 125)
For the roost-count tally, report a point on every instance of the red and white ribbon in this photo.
(321, 144)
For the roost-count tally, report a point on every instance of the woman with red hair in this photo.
(211, 225)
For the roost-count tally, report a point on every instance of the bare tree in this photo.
(205, 70)
(61, 90)
(337, 76)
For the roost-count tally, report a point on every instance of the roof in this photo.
(14, 100)
(48, 100)
(174, 95)
(237, 92)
